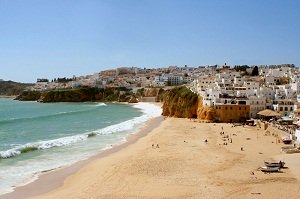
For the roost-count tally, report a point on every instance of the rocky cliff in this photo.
(151, 92)
(29, 96)
(12, 88)
(181, 102)
(205, 113)
(78, 95)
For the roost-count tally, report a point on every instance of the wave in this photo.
(101, 104)
(29, 147)
(148, 110)
(94, 104)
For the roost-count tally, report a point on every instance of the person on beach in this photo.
(152, 146)
(157, 146)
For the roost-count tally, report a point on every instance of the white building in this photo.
(256, 104)
(295, 87)
(284, 107)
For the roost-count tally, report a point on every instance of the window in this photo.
(291, 109)
(286, 108)
(281, 109)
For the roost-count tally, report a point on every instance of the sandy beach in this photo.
(174, 161)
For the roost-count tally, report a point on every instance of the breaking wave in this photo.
(29, 147)
(148, 110)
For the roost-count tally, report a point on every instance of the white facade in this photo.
(284, 107)
(269, 80)
(238, 81)
(256, 104)
(295, 87)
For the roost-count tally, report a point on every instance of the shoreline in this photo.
(185, 166)
(182, 166)
(54, 178)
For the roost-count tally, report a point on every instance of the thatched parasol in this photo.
(268, 113)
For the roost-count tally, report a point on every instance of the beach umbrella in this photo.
(268, 113)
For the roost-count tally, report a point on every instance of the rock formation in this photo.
(76, 95)
(29, 96)
(205, 113)
(133, 99)
(151, 92)
(10, 88)
(181, 102)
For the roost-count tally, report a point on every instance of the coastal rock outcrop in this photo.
(133, 99)
(76, 95)
(205, 113)
(151, 94)
(10, 88)
(29, 96)
(180, 102)
(183, 103)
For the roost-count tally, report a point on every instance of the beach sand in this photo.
(184, 166)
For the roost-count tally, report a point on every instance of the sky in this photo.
(62, 38)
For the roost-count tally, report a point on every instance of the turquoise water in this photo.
(35, 137)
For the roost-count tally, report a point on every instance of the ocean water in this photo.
(36, 137)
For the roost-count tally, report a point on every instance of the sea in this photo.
(38, 137)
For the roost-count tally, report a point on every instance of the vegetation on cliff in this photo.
(29, 96)
(75, 95)
(11, 88)
(183, 103)
(180, 102)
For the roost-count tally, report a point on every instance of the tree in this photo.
(255, 71)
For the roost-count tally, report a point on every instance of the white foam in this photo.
(61, 141)
(101, 104)
(43, 145)
(27, 171)
(9, 153)
(149, 110)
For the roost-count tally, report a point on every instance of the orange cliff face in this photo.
(181, 102)
(179, 107)
(205, 113)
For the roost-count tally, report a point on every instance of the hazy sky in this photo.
(57, 38)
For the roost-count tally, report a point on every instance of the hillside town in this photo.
(234, 91)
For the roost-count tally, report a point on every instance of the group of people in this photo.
(153, 146)
(222, 133)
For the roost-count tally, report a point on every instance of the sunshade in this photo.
(268, 113)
